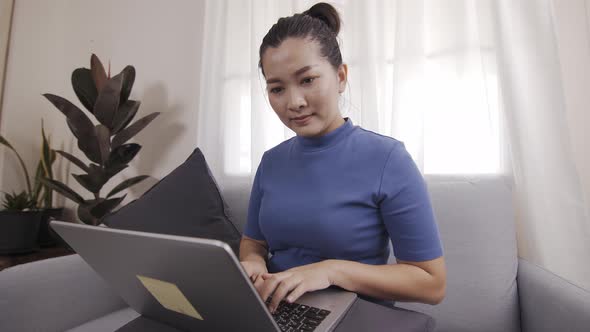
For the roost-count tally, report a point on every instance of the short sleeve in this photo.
(252, 229)
(406, 209)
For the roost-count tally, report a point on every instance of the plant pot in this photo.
(19, 231)
(47, 236)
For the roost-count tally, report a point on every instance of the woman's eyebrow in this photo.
(296, 73)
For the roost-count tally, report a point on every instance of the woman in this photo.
(326, 202)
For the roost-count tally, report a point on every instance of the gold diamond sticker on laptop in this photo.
(169, 296)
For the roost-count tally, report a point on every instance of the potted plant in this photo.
(104, 144)
(19, 224)
(43, 195)
(23, 222)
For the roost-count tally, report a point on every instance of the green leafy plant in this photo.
(18, 202)
(39, 195)
(104, 144)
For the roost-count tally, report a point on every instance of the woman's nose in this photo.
(296, 101)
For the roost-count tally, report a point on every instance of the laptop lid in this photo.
(187, 283)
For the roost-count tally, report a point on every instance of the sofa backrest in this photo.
(236, 195)
(476, 224)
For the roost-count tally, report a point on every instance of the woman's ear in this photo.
(342, 77)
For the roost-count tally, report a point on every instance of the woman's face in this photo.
(303, 87)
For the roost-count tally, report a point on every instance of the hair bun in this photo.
(327, 14)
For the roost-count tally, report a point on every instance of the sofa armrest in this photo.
(53, 295)
(549, 302)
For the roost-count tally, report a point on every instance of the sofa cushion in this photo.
(186, 202)
(53, 295)
(476, 225)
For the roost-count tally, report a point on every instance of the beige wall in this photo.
(5, 17)
(52, 38)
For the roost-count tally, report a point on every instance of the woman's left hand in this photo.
(295, 282)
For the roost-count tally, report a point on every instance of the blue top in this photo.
(343, 195)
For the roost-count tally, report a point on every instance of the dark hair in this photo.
(321, 23)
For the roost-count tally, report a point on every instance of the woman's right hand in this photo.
(255, 270)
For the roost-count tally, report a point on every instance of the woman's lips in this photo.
(300, 121)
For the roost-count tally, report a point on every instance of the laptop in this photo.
(179, 283)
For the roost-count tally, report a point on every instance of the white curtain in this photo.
(553, 219)
(470, 86)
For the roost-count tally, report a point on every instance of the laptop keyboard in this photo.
(295, 317)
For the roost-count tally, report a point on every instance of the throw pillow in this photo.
(186, 202)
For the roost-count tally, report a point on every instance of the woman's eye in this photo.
(276, 90)
(308, 80)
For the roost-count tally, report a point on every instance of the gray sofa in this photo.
(488, 287)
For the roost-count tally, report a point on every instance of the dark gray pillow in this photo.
(186, 202)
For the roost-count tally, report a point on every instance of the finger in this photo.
(296, 293)
(267, 275)
(284, 287)
(248, 270)
(258, 285)
(269, 286)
